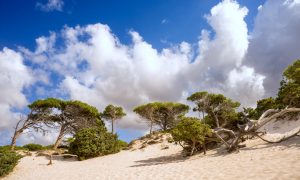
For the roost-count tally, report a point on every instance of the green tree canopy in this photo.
(289, 91)
(113, 113)
(147, 112)
(167, 114)
(71, 116)
(219, 109)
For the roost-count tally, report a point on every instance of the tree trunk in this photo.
(59, 138)
(14, 139)
(216, 119)
(193, 148)
(204, 148)
(151, 127)
(112, 126)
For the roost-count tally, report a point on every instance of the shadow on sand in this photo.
(221, 151)
(175, 158)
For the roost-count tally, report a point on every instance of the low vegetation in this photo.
(93, 142)
(8, 160)
(191, 134)
(34, 147)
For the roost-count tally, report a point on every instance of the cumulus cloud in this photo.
(221, 56)
(51, 5)
(274, 42)
(91, 64)
(97, 68)
(14, 77)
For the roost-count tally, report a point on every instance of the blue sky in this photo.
(25, 22)
(137, 51)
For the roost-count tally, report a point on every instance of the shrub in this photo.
(192, 132)
(93, 142)
(122, 144)
(8, 160)
(34, 147)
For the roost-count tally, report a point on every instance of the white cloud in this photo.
(14, 77)
(275, 41)
(129, 75)
(97, 68)
(51, 5)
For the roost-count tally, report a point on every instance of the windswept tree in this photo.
(37, 120)
(168, 114)
(68, 116)
(219, 109)
(113, 113)
(200, 99)
(146, 112)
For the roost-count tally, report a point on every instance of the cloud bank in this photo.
(91, 64)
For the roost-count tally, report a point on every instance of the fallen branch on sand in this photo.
(251, 127)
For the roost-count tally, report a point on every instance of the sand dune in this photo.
(257, 161)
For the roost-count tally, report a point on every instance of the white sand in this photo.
(257, 161)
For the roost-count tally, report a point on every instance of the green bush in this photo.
(93, 142)
(34, 147)
(191, 133)
(122, 144)
(8, 160)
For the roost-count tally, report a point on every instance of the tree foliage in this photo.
(289, 91)
(192, 132)
(113, 113)
(71, 116)
(261, 106)
(93, 142)
(146, 112)
(168, 114)
(68, 116)
(219, 109)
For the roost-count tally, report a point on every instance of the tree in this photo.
(36, 119)
(199, 98)
(289, 91)
(167, 114)
(264, 105)
(192, 132)
(219, 109)
(113, 113)
(147, 111)
(68, 116)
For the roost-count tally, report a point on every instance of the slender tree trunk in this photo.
(59, 138)
(14, 139)
(204, 148)
(193, 148)
(216, 119)
(112, 125)
(151, 127)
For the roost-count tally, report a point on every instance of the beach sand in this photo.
(258, 160)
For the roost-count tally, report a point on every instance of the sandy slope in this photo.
(257, 161)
